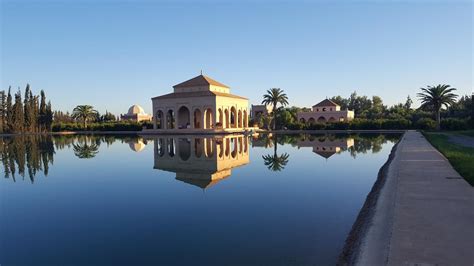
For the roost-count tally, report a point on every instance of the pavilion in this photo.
(200, 104)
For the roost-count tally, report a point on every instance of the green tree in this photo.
(29, 116)
(3, 111)
(274, 97)
(42, 112)
(84, 112)
(48, 120)
(9, 112)
(436, 97)
(18, 113)
(408, 103)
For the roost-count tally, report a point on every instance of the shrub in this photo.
(106, 126)
(425, 124)
(396, 124)
(454, 124)
(315, 126)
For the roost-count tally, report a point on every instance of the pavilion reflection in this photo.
(325, 146)
(201, 161)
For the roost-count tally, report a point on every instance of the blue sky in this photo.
(112, 54)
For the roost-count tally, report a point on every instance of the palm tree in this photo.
(274, 97)
(436, 97)
(84, 112)
(274, 161)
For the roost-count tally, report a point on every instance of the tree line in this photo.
(32, 114)
(441, 108)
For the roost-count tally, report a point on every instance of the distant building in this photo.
(259, 110)
(325, 111)
(200, 104)
(136, 113)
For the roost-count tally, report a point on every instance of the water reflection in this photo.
(275, 162)
(201, 161)
(326, 146)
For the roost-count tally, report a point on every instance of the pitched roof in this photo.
(175, 95)
(325, 102)
(200, 80)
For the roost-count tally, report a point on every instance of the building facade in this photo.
(136, 113)
(324, 112)
(200, 104)
(259, 110)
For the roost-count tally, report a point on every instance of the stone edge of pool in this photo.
(419, 212)
(354, 241)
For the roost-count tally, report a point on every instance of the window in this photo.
(324, 109)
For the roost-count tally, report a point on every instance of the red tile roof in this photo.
(326, 102)
(200, 80)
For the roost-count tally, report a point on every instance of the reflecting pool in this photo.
(187, 200)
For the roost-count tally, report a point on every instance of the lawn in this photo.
(461, 158)
(469, 133)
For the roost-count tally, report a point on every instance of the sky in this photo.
(113, 54)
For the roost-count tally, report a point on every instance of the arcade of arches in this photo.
(187, 117)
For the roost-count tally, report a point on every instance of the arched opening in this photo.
(159, 119)
(220, 145)
(197, 118)
(332, 119)
(234, 148)
(321, 119)
(227, 147)
(311, 121)
(246, 119)
(246, 144)
(183, 118)
(208, 117)
(171, 147)
(233, 117)
(302, 120)
(239, 119)
(184, 148)
(198, 147)
(220, 123)
(240, 145)
(160, 147)
(208, 147)
(226, 114)
(170, 119)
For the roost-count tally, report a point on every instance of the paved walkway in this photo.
(425, 212)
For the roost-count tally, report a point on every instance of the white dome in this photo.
(135, 109)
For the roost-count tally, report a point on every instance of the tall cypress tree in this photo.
(42, 112)
(49, 116)
(18, 113)
(3, 111)
(34, 115)
(27, 109)
(9, 114)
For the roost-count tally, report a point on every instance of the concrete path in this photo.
(424, 214)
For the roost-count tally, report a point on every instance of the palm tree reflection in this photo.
(84, 150)
(275, 162)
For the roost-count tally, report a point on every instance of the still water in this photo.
(266, 200)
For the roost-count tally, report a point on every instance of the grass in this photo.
(469, 133)
(460, 157)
